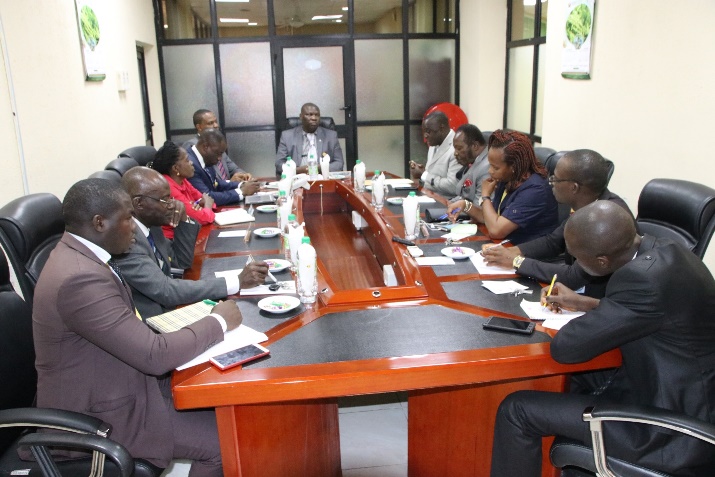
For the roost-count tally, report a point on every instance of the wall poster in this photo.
(90, 40)
(578, 37)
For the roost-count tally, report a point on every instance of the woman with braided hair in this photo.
(517, 203)
(173, 162)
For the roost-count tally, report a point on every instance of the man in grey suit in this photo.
(147, 264)
(309, 138)
(96, 357)
(470, 151)
(439, 174)
(225, 168)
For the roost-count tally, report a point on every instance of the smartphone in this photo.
(238, 356)
(507, 324)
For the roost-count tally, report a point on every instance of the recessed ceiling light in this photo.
(233, 20)
(232, 1)
(252, 24)
(338, 20)
(345, 9)
(327, 17)
(166, 26)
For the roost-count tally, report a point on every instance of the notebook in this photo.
(233, 216)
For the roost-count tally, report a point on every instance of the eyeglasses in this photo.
(165, 202)
(553, 180)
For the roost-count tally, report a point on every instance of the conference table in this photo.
(278, 416)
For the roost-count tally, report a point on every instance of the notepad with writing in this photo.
(179, 318)
(233, 216)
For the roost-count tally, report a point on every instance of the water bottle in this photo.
(279, 202)
(411, 214)
(312, 167)
(307, 280)
(284, 185)
(359, 176)
(292, 223)
(289, 169)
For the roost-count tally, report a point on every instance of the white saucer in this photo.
(267, 232)
(458, 253)
(267, 208)
(277, 264)
(395, 200)
(279, 303)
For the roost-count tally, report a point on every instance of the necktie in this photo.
(157, 255)
(115, 268)
(222, 170)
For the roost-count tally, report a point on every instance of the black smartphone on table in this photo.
(509, 325)
(238, 356)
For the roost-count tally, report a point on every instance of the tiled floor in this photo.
(373, 437)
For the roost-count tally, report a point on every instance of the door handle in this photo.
(346, 108)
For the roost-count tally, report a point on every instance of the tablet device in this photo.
(238, 356)
(509, 325)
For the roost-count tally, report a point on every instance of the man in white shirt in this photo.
(439, 174)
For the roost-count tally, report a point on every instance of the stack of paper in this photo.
(501, 287)
(484, 269)
(233, 216)
(179, 318)
(536, 311)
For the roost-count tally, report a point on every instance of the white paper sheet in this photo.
(241, 336)
(228, 273)
(429, 261)
(484, 269)
(501, 287)
(535, 311)
(423, 199)
(233, 233)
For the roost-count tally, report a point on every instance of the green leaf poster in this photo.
(577, 39)
(91, 41)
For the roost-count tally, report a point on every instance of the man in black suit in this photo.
(659, 311)
(580, 178)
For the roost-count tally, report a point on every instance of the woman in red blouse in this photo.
(173, 162)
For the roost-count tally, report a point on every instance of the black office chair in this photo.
(17, 394)
(142, 154)
(30, 227)
(109, 174)
(543, 153)
(325, 122)
(121, 165)
(486, 135)
(568, 454)
(682, 211)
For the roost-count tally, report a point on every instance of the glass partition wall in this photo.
(374, 66)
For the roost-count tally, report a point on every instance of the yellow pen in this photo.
(551, 287)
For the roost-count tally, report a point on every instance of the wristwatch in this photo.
(483, 198)
(518, 260)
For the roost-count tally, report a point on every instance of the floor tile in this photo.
(382, 471)
(177, 468)
(369, 402)
(373, 438)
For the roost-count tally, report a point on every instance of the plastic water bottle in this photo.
(359, 176)
(312, 167)
(289, 169)
(411, 214)
(307, 282)
(279, 202)
(292, 223)
(284, 185)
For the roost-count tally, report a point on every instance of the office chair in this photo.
(543, 154)
(325, 122)
(30, 227)
(682, 211)
(569, 454)
(17, 395)
(487, 135)
(142, 154)
(121, 165)
(109, 174)
(454, 113)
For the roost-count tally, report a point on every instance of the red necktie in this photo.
(222, 170)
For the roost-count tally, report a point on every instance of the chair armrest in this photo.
(109, 448)
(53, 419)
(653, 416)
(177, 272)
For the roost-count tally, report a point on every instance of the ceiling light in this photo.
(345, 9)
(327, 17)
(166, 26)
(232, 1)
(252, 24)
(338, 20)
(233, 20)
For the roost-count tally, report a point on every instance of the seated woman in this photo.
(517, 202)
(173, 162)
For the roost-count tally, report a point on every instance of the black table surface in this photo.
(460, 267)
(387, 332)
(212, 265)
(216, 244)
(260, 320)
(473, 293)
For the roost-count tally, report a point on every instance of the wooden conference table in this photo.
(278, 417)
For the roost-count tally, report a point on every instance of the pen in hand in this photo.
(551, 287)
(445, 215)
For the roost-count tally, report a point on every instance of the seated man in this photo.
(659, 311)
(439, 174)
(146, 265)
(95, 357)
(308, 138)
(580, 178)
(226, 169)
(470, 151)
(206, 154)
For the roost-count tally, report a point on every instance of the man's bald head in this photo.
(151, 196)
(140, 180)
(601, 236)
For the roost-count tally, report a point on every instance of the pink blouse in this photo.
(187, 194)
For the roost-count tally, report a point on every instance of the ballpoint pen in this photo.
(551, 287)
(445, 215)
(270, 275)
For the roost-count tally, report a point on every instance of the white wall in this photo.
(648, 106)
(70, 128)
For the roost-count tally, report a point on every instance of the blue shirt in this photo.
(531, 206)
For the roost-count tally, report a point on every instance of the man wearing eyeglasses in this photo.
(147, 265)
(580, 178)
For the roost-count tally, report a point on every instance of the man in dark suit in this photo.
(659, 311)
(309, 137)
(96, 357)
(580, 178)
(206, 154)
(147, 264)
(225, 168)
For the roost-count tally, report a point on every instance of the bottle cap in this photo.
(357, 162)
(281, 193)
(289, 158)
(377, 172)
(305, 240)
(283, 176)
(291, 217)
(412, 194)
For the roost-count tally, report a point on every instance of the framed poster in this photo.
(578, 38)
(90, 40)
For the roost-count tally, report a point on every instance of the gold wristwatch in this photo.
(518, 260)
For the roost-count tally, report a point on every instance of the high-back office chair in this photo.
(108, 174)
(455, 115)
(30, 227)
(325, 122)
(121, 165)
(575, 455)
(142, 154)
(682, 211)
(486, 135)
(543, 154)
(17, 394)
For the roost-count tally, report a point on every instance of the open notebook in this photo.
(233, 216)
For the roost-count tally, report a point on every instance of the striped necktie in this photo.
(222, 170)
